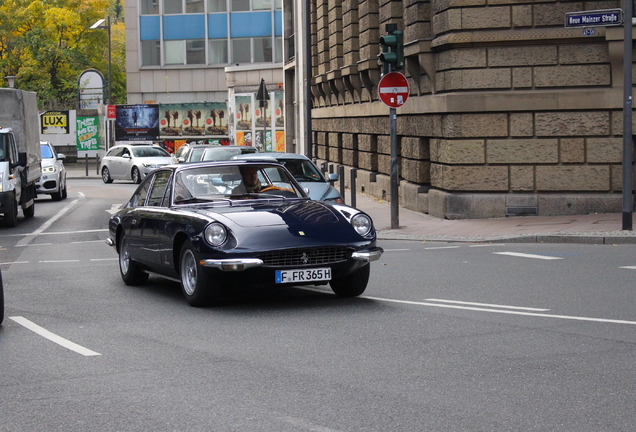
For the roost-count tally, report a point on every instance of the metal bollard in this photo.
(341, 170)
(97, 164)
(86, 163)
(354, 174)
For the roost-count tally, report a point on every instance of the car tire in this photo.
(1, 300)
(64, 191)
(106, 175)
(352, 285)
(136, 175)
(11, 217)
(131, 272)
(29, 212)
(57, 196)
(198, 288)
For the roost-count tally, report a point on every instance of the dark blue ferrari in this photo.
(214, 226)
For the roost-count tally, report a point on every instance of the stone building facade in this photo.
(509, 113)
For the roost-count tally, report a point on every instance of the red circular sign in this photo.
(393, 89)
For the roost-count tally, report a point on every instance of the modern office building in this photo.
(510, 112)
(202, 62)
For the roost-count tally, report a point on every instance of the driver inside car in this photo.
(250, 182)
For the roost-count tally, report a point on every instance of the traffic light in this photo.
(392, 56)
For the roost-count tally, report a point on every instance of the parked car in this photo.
(53, 179)
(306, 173)
(221, 153)
(196, 224)
(132, 162)
(191, 152)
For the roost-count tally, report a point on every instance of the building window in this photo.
(278, 49)
(240, 5)
(261, 4)
(194, 6)
(217, 6)
(174, 52)
(195, 51)
(149, 7)
(150, 53)
(241, 50)
(218, 51)
(263, 50)
(172, 6)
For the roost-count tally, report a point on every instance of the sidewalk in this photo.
(605, 228)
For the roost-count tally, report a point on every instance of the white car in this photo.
(53, 180)
(132, 162)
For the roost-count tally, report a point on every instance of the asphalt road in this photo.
(461, 337)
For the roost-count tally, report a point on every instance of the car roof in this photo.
(272, 155)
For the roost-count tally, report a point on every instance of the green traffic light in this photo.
(392, 55)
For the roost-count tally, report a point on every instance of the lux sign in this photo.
(54, 122)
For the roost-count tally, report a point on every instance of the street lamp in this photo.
(100, 25)
(11, 80)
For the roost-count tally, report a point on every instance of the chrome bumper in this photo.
(237, 264)
(368, 255)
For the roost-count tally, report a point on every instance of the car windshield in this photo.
(153, 151)
(303, 170)
(46, 151)
(230, 183)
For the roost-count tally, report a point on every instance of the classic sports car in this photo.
(215, 225)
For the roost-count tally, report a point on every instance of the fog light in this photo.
(232, 267)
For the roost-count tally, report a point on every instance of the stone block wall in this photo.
(506, 105)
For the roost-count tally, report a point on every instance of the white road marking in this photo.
(488, 245)
(89, 241)
(14, 262)
(114, 208)
(629, 267)
(396, 250)
(53, 337)
(506, 312)
(34, 244)
(524, 255)
(58, 261)
(442, 247)
(58, 215)
(104, 259)
(58, 233)
(487, 305)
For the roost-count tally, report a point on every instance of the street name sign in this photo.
(594, 18)
(393, 89)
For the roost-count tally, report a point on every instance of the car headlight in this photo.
(337, 200)
(215, 234)
(47, 170)
(149, 165)
(361, 223)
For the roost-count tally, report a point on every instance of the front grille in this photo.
(307, 256)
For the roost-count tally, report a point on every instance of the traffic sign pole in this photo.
(394, 179)
(628, 142)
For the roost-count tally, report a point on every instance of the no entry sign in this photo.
(393, 89)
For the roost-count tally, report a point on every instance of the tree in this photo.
(46, 44)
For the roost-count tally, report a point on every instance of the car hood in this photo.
(305, 213)
(48, 162)
(316, 191)
(160, 160)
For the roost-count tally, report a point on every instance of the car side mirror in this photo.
(181, 159)
(61, 156)
(126, 156)
(333, 177)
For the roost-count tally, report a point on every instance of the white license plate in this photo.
(307, 275)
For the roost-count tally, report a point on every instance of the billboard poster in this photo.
(279, 109)
(243, 113)
(193, 119)
(54, 122)
(137, 122)
(87, 133)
